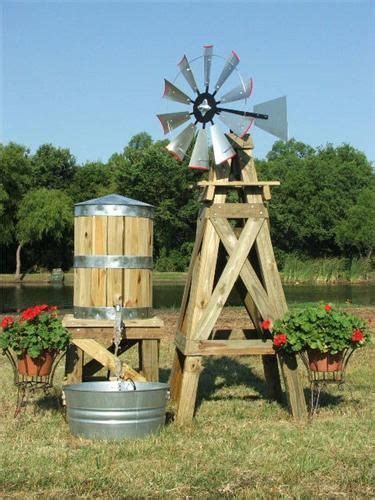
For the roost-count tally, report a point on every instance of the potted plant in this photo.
(322, 331)
(35, 337)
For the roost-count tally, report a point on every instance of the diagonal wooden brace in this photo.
(227, 279)
(247, 273)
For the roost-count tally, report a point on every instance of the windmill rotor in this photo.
(206, 105)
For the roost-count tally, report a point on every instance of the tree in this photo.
(92, 180)
(53, 167)
(45, 216)
(15, 180)
(317, 190)
(358, 229)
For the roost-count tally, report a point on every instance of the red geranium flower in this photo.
(7, 321)
(280, 339)
(327, 307)
(357, 336)
(266, 324)
(33, 312)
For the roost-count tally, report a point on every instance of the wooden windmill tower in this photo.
(233, 247)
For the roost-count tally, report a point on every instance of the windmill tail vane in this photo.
(205, 104)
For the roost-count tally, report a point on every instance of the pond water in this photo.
(16, 297)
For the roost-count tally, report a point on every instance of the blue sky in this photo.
(88, 75)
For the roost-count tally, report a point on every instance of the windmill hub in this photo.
(204, 108)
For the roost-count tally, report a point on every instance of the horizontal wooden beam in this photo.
(252, 347)
(238, 183)
(70, 321)
(106, 334)
(237, 211)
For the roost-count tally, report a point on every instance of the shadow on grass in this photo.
(50, 402)
(326, 398)
(164, 374)
(233, 374)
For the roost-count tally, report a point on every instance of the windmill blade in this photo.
(242, 91)
(239, 124)
(277, 123)
(170, 121)
(199, 158)
(179, 145)
(223, 151)
(229, 67)
(207, 64)
(188, 74)
(173, 93)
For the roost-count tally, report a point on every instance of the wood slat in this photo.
(98, 275)
(197, 245)
(115, 246)
(253, 347)
(106, 358)
(70, 321)
(270, 273)
(237, 211)
(221, 183)
(83, 246)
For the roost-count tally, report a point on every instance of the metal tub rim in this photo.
(112, 387)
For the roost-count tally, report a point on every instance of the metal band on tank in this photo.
(113, 261)
(115, 210)
(109, 312)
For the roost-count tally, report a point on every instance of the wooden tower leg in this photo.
(176, 375)
(188, 390)
(293, 387)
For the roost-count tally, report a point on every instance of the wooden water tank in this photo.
(113, 258)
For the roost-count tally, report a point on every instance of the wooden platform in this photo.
(94, 338)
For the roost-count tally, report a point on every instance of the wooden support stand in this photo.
(94, 338)
(232, 249)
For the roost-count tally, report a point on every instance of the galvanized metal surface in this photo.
(113, 261)
(114, 205)
(109, 312)
(98, 410)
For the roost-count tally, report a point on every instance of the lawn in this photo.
(240, 444)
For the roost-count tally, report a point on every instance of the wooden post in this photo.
(189, 386)
(149, 359)
(176, 375)
(73, 365)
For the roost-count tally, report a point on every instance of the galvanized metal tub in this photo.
(98, 410)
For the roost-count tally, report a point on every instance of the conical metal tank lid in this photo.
(114, 205)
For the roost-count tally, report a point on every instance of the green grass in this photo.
(173, 277)
(327, 270)
(240, 444)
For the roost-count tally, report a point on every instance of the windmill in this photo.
(232, 248)
(206, 104)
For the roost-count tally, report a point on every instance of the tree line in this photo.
(324, 207)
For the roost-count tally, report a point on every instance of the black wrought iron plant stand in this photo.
(27, 385)
(321, 379)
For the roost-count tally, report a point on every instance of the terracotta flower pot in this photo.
(36, 367)
(324, 361)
